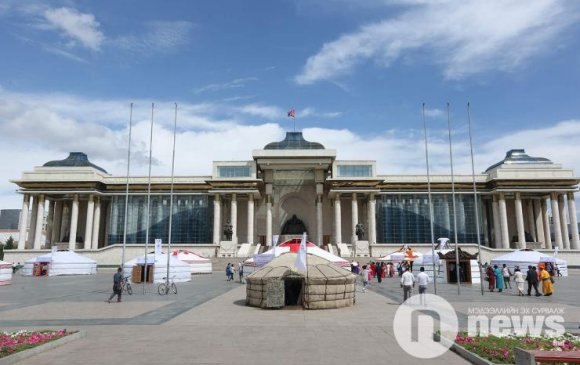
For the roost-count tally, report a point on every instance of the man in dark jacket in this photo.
(117, 285)
(532, 279)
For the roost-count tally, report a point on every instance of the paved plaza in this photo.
(208, 322)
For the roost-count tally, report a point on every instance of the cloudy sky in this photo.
(357, 73)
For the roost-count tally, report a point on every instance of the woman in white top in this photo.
(519, 279)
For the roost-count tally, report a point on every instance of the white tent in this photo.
(198, 264)
(5, 273)
(60, 263)
(525, 258)
(179, 271)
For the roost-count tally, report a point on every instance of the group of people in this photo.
(231, 271)
(500, 278)
(408, 280)
(381, 270)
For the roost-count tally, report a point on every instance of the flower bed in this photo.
(500, 350)
(13, 342)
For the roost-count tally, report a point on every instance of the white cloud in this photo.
(158, 37)
(313, 113)
(77, 26)
(263, 111)
(464, 37)
(434, 113)
(233, 84)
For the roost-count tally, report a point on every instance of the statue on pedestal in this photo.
(360, 231)
(228, 231)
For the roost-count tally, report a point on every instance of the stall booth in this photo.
(59, 263)
(468, 266)
(528, 257)
(405, 254)
(5, 273)
(179, 271)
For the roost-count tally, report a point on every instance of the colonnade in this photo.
(371, 230)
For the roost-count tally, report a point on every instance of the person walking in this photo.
(117, 285)
(519, 279)
(498, 278)
(380, 269)
(407, 283)
(229, 272)
(506, 276)
(365, 273)
(532, 279)
(241, 272)
(490, 277)
(422, 281)
(547, 284)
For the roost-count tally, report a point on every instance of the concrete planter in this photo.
(19, 356)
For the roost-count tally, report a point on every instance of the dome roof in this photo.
(294, 141)
(519, 157)
(74, 159)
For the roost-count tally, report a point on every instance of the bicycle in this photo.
(127, 286)
(166, 287)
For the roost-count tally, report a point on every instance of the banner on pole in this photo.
(158, 242)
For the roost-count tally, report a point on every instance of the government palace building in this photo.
(294, 186)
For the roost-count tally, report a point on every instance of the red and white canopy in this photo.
(5, 273)
(293, 245)
(199, 264)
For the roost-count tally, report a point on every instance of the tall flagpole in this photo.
(294, 118)
(148, 195)
(127, 188)
(171, 196)
(457, 268)
(475, 200)
(430, 203)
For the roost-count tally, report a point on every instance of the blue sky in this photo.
(356, 74)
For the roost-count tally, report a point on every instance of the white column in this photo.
(23, 222)
(216, 220)
(74, 218)
(485, 224)
(575, 243)
(446, 216)
(372, 220)
(354, 218)
(520, 222)
(530, 218)
(89, 223)
(250, 238)
(56, 222)
(498, 243)
(546, 221)
(268, 220)
(337, 220)
(319, 234)
(556, 221)
(537, 207)
(564, 221)
(96, 225)
(50, 222)
(32, 225)
(505, 236)
(38, 241)
(234, 218)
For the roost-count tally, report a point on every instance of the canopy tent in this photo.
(5, 273)
(59, 263)
(527, 257)
(198, 264)
(277, 284)
(179, 271)
(293, 245)
(405, 253)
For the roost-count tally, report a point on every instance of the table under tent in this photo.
(59, 263)
(278, 284)
(198, 264)
(293, 245)
(527, 257)
(5, 273)
(179, 271)
(404, 254)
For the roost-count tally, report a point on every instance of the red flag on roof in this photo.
(292, 113)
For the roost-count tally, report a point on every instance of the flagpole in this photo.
(148, 195)
(127, 187)
(171, 196)
(475, 200)
(294, 118)
(457, 269)
(430, 202)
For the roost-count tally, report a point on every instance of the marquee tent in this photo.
(293, 245)
(277, 284)
(179, 271)
(403, 254)
(59, 263)
(198, 264)
(527, 257)
(5, 273)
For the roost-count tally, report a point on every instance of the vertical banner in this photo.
(158, 242)
(275, 243)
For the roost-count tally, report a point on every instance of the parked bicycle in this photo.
(167, 287)
(127, 286)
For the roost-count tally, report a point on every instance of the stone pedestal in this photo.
(227, 249)
(362, 249)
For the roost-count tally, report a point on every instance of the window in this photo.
(234, 171)
(355, 171)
